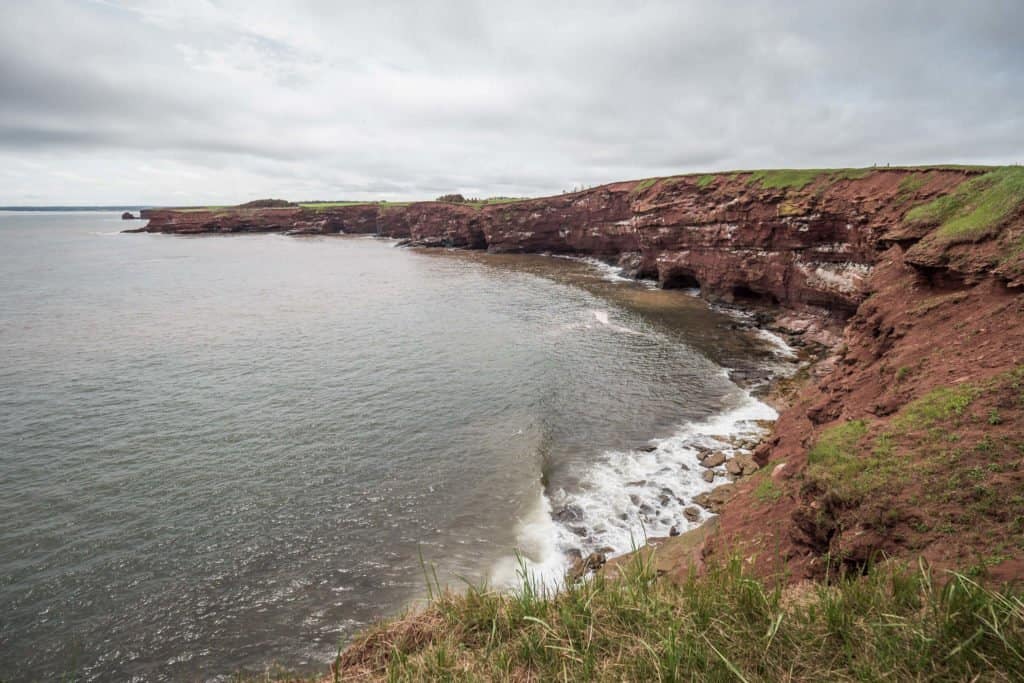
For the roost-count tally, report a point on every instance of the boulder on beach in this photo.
(742, 465)
(714, 500)
(713, 459)
(127, 216)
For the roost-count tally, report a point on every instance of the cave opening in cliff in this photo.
(742, 293)
(680, 280)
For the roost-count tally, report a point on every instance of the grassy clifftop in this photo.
(977, 207)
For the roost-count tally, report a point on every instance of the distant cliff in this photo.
(798, 238)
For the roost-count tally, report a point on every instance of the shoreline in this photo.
(721, 445)
(682, 550)
(900, 434)
(728, 439)
(675, 556)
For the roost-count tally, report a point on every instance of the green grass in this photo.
(476, 204)
(952, 451)
(785, 179)
(644, 185)
(798, 178)
(839, 462)
(231, 209)
(391, 206)
(936, 408)
(320, 206)
(892, 624)
(911, 184)
(850, 173)
(836, 443)
(766, 491)
(494, 201)
(854, 467)
(706, 180)
(976, 208)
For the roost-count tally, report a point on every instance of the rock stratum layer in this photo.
(907, 440)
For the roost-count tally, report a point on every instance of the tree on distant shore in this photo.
(266, 204)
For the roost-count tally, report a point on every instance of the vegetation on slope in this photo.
(319, 206)
(477, 203)
(946, 473)
(645, 184)
(976, 208)
(892, 624)
(267, 204)
(798, 178)
(323, 206)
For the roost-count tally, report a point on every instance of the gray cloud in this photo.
(166, 102)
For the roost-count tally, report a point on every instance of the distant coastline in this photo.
(116, 207)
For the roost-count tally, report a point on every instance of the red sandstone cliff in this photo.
(808, 242)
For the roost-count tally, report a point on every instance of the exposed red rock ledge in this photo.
(919, 317)
(809, 246)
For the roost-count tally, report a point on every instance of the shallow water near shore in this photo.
(222, 452)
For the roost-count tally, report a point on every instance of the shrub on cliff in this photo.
(452, 198)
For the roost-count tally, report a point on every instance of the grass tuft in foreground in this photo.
(892, 624)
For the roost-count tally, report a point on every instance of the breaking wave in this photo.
(626, 496)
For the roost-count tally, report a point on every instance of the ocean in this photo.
(222, 452)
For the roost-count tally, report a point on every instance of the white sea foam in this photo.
(538, 550)
(602, 317)
(786, 358)
(626, 496)
(608, 271)
(779, 346)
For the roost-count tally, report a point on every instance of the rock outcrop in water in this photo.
(907, 439)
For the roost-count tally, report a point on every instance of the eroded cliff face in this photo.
(907, 442)
(804, 242)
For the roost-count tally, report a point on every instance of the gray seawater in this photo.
(221, 452)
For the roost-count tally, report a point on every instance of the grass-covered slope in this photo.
(945, 473)
(975, 208)
(892, 624)
(978, 226)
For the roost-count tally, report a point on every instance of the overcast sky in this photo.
(175, 102)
